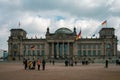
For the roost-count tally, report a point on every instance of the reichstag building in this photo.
(62, 44)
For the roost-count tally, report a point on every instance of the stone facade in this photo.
(62, 44)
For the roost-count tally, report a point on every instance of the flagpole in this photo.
(106, 23)
(19, 24)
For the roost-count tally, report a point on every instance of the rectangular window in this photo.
(24, 52)
(79, 53)
(42, 46)
(24, 46)
(89, 46)
(94, 52)
(84, 46)
(38, 52)
(38, 46)
(43, 53)
(29, 47)
(89, 52)
(94, 46)
(99, 52)
(108, 52)
(28, 52)
(79, 46)
(99, 46)
(33, 53)
(84, 52)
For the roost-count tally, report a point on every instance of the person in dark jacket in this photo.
(25, 63)
(43, 64)
(34, 64)
(53, 62)
(106, 63)
(66, 62)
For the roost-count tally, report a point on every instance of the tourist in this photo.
(30, 64)
(38, 64)
(66, 62)
(71, 63)
(53, 62)
(75, 62)
(83, 62)
(43, 64)
(106, 63)
(25, 63)
(50, 61)
(34, 64)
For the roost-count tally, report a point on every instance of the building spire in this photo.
(75, 30)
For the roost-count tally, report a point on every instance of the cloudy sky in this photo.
(36, 15)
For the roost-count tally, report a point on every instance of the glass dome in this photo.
(63, 30)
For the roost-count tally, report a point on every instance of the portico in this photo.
(60, 49)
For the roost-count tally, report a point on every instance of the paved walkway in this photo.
(15, 71)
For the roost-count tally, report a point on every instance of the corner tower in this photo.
(109, 41)
(15, 42)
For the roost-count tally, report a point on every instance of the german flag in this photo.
(104, 23)
(78, 36)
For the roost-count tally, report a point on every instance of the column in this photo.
(52, 50)
(49, 52)
(21, 49)
(68, 49)
(58, 50)
(115, 49)
(63, 50)
(103, 49)
(10, 49)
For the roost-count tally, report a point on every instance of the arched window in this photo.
(108, 45)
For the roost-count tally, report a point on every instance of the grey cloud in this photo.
(70, 7)
(79, 8)
(11, 12)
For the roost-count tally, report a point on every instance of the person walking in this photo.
(75, 62)
(53, 62)
(30, 65)
(34, 64)
(25, 64)
(50, 61)
(66, 62)
(43, 64)
(106, 63)
(38, 64)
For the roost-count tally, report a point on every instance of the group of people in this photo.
(70, 62)
(85, 62)
(52, 61)
(31, 64)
